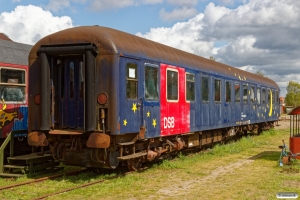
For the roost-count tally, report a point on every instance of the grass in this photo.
(246, 169)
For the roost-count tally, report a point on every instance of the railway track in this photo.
(43, 179)
(87, 184)
(68, 189)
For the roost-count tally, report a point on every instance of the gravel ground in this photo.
(283, 124)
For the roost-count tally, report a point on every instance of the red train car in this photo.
(13, 90)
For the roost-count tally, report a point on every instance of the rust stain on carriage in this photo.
(37, 139)
(110, 42)
(98, 140)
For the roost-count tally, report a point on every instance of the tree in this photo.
(292, 97)
(260, 73)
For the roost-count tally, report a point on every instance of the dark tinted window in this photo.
(190, 87)
(172, 85)
(252, 94)
(218, 90)
(245, 93)
(228, 91)
(205, 89)
(131, 81)
(258, 95)
(151, 83)
(237, 95)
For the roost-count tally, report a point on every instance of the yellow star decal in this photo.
(124, 122)
(134, 107)
(154, 122)
(148, 114)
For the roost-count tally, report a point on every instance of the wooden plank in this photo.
(15, 166)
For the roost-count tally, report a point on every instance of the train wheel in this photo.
(113, 159)
(134, 164)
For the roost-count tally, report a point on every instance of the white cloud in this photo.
(16, 1)
(183, 35)
(260, 35)
(28, 24)
(177, 14)
(57, 5)
(183, 3)
(117, 4)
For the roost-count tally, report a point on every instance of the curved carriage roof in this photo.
(13, 52)
(111, 41)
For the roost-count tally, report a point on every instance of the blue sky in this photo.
(253, 35)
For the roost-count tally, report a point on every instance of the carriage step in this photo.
(135, 155)
(11, 175)
(15, 166)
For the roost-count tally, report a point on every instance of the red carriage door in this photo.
(174, 109)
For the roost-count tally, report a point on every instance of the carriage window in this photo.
(228, 91)
(205, 89)
(172, 85)
(245, 93)
(12, 86)
(237, 88)
(81, 79)
(71, 80)
(131, 81)
(190, 87)
(217, 90)
(263, 96)
(273, 96)
(277, 98)
(258, 95)
(151, 83)
(252, 94)
(62, 79)
(269, 96)
(12, 76)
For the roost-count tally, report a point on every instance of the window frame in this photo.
(230, 91)
(194, 91)
(15, 84)
(263, 95)
(132, 79)
(252, 94)
(220, 89)
(71, 91)
(157, 84)
(239, 99)
(258, 99)
(208, 89)
(174, 70)
(247, 93)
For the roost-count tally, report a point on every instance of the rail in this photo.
(2, 148)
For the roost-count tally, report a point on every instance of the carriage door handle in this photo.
(140, 103)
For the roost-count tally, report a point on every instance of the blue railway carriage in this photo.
(99, 97)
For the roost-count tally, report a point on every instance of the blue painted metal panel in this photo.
(21, 124)
(151, 107)
(130, 111)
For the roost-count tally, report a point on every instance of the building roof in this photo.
(295, 111)
(4, 37)
(13, 52)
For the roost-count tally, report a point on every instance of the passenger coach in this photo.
(99, 96)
